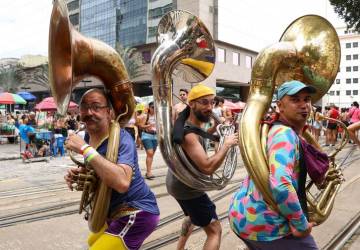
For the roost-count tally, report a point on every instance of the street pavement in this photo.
(69, 232)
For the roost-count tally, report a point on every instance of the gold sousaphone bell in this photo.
(71, 58)
(309, 51)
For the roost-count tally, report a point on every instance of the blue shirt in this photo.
(139, 194)
(24, 130)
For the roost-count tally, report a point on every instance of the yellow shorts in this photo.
(104, 241)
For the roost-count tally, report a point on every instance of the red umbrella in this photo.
(48, 104)
(9, 98)
(234, 106)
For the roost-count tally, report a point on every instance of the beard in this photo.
(201, 117)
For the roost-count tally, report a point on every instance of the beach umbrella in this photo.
(27, 96)
(234, 106)
(9, 98)
(48, 104)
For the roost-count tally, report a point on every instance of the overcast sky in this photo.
(24, 24)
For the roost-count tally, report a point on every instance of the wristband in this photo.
(86, 150)
(88, 159)
(83, 147)
(89, 154)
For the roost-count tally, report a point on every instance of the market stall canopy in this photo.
(48, 104)
(27, 96)
(9, 98)
(234, 106)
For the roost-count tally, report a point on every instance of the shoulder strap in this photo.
(301, 192)
(192, 129)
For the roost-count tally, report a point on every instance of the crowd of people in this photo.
(133, 211)
(330, 128)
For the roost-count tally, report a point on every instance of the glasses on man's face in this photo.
(182, 94)
(95, 107)
(206, 102)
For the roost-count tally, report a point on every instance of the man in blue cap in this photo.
(287, 226)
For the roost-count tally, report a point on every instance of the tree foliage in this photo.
(349, 11)
(132, 60)
(14, 76)
(9, 78)
(38, 75)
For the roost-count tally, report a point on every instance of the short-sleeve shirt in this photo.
(24, 130)
(354, 114)
(139, 194)
(250, 217)
(334, 114)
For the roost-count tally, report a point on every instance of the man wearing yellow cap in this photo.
(198, 208)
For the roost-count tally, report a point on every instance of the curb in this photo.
(9, 158)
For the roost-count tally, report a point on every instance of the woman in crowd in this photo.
(149, 140)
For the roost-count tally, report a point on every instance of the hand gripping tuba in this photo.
(309, 51)
(71, 58)
(186, 49)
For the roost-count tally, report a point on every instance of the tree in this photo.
(132, 60)
(9, 78)
(38, 75)
(349, 11)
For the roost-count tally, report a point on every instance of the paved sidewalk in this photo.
(12, 151)
(9, 151)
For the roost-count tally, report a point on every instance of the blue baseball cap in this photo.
(293, 87)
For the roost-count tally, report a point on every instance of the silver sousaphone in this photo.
(186, 49)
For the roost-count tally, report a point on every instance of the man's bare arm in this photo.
(116, 176)
(197, 154)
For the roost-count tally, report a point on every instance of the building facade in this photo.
(134, 24)
(74, 12)
(346, 87)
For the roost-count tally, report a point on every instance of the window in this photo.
(348, 45)
(355, 44)
(348, 57)
(348, 69)
(355, 68)
(337, 81)
(248, 62)
(152, 31)
(74, 19)
(355, 92)
(355, 80)
(348, 80)
(332, 92)
(146, 56)
(236, 58)
(355, 57)
(337, 92)
(73, 5)
(221, 55)
(348, 92)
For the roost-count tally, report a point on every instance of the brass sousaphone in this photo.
(309, 51)
(72, 57)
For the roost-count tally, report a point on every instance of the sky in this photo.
(24, 24)
(266, 20)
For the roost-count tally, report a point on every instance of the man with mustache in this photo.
(196, 205)
(133, 212)
(286, 226)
